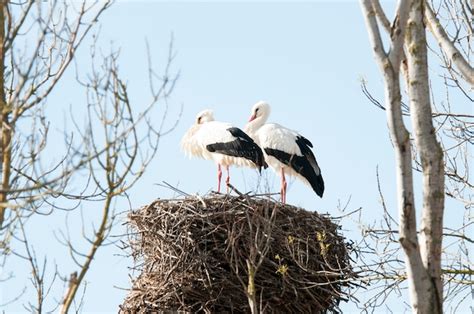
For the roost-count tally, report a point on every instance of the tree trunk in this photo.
(416, 274)
(423, 256)
(6, 128)
(431, 156)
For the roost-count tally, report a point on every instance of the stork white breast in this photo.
(278, 137)
(214, 132)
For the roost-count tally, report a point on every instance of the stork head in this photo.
(260, 110)
(204, 116)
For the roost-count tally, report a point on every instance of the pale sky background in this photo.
(305, 59)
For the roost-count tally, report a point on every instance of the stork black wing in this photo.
(305, 165)
(243, 146)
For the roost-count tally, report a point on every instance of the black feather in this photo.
(243, 146)
(305, 165)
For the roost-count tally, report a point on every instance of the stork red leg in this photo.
(283, 186)
(227, 180)
(219, 176)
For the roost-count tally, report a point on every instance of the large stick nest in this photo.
(217, 253)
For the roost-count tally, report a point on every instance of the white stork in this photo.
(222, 143)
(286, 151)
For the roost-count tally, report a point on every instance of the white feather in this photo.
(275, 136)
(196, 139)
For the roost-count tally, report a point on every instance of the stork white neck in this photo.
(260, 113)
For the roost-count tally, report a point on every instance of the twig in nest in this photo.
(237, 191)
(173, 188)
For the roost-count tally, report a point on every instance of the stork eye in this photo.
(256, 110)
(199, 120)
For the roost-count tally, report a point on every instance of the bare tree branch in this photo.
(103, 157)
(453, 54)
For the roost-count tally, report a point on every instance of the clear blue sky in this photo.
(305, 59)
